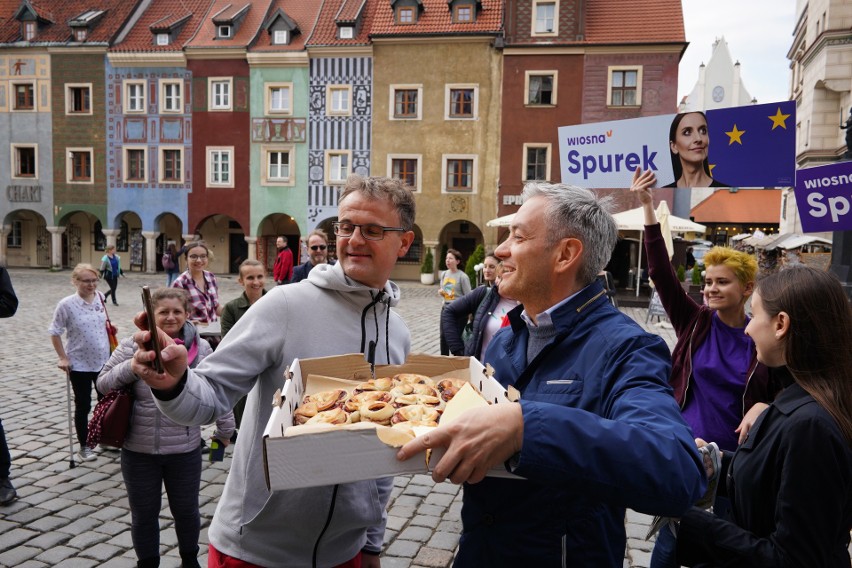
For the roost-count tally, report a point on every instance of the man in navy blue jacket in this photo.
(596, 429)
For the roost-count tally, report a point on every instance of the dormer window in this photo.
(463, 13)
(405, 15)
(80, 34)
(28, 31)
(162, 39)
(281, 37)
(347, 32)
(224, 32)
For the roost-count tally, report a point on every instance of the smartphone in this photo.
(154, 344)
(217, 450)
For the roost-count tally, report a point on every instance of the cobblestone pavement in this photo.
(79, 517)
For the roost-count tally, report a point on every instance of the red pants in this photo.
(216, 559)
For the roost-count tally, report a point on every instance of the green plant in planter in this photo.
(475, 258)
(428, 266)
(681, 273)
(696, 275)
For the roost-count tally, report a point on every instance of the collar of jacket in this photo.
(792, 398)
(565, 316)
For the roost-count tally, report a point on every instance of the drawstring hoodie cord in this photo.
(379, 297)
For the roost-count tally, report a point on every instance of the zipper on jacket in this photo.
(688, 360)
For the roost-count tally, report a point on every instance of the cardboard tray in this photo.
(353, 452)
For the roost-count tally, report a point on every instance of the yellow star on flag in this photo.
(778, 120)
(735, 136)
(711, 169)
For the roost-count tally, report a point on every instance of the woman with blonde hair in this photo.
(790, 482)
(82, 318)
(718, 381)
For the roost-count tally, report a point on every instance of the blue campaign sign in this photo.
(752, 146)
(824, 197)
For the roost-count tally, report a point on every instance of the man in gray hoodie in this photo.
(342, 308)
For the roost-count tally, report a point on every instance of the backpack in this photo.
(167, 261)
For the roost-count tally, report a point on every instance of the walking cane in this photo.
(71, 463)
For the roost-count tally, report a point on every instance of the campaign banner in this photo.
(749, 146)
(824, 197)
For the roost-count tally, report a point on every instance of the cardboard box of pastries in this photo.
(309, 455)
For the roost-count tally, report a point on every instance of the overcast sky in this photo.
(758, 32)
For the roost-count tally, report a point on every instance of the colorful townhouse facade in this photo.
(238, 121)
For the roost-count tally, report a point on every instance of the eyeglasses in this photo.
(369, 231)
(317, 247)
(94, 281)
(198, 257)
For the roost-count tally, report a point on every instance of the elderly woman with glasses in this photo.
(317, 254)
(201, 285)
(82, 318)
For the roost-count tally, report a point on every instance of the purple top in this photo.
(719, 372)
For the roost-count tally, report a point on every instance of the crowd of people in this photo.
(607, 419)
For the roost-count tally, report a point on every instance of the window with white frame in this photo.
(406, 167)
(346, 32)
(162, 39)
(545, 17)
(171, 164)
(337, 166)
(24, 161)
(224, 31)
(278, 165)
(80, 34)
(462, 102)
(220, 166)
(541, 88)
(78, 98)
(135, 164)
(171, 95)
(23, 96)
(537, 162)
(134, 96)
(338, 99)
(279, 98)
(15, 237)
(220, 92)
(78, 168)
(405, 102)
(281, 37)
(624, 86)
(459, 173)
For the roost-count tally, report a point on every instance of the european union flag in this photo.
(753, 146)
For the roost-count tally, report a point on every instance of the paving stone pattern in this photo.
(79, 517)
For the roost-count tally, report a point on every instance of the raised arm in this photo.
(679, 307)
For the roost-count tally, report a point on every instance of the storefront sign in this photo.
(23, 193)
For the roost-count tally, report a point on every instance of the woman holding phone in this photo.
(158, 451)
(790, 482)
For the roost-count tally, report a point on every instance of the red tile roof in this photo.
(228, 13)
(744, 206)
(349, 10)
(60, 12)
(634, 21)
(246, 32)
(325, 31)
(160, 14)
(303, 13)
(436, 19)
